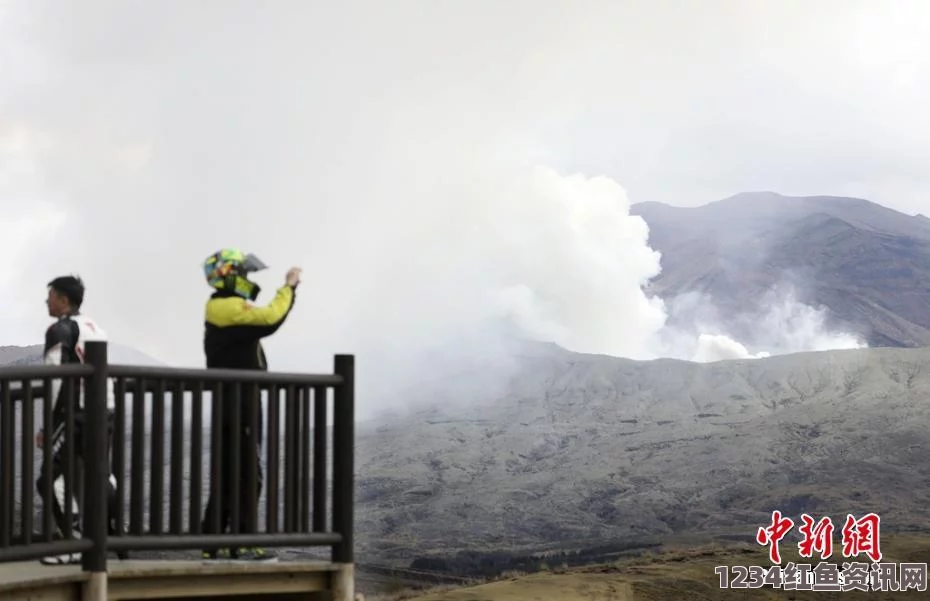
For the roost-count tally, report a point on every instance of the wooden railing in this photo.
(141, 424)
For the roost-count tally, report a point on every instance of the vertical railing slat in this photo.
(70, 471)
(273, 461)
(7, 463)
(176, 477)
(137, 473)
(196, 483)
(291, 459)
(119, 457)
(305, 459)
(157, 478)
(344, 458)
(27, 486)
(218, 504)
(96, 458)
(251, 459)
(320, 401)
(48, 523)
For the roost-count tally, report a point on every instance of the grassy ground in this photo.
(677, 574)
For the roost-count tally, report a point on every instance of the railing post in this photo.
(96, 462)
(343, 458)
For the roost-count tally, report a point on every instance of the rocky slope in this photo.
(577, 449)
(868, 264)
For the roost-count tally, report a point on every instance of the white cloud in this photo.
(377, 143)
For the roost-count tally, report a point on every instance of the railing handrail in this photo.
(144, 372)
(96, 373)
(191, 378)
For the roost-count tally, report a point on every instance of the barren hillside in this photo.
(580, 449)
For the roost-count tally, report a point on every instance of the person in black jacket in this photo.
(234, 328)
(64, 343)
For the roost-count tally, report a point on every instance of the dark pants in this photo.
(57, 501)
(249, 444)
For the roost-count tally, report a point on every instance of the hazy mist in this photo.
(420, 161)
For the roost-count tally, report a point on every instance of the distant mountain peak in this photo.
(32, 355)
(764, 209)
(755, 195)
(866, 262)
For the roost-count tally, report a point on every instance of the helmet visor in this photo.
(252, 264)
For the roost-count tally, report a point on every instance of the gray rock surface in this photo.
(580, 449)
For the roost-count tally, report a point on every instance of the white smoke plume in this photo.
(557, 258)
(570, 264)
(719, 347)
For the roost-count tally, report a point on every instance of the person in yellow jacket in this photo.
(234, 328)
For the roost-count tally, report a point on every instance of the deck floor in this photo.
(20, 574)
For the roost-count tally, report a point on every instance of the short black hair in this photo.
(71, 287)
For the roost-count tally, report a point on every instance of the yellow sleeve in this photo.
(236, 311)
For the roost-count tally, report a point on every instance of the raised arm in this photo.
(261, 321)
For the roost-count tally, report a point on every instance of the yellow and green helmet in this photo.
(228, 270)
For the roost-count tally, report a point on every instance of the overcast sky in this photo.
(138, 137)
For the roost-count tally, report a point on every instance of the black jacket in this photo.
(64, 344)
(235, 327)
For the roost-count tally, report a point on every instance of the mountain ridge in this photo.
(867, 264)
(774, 204)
